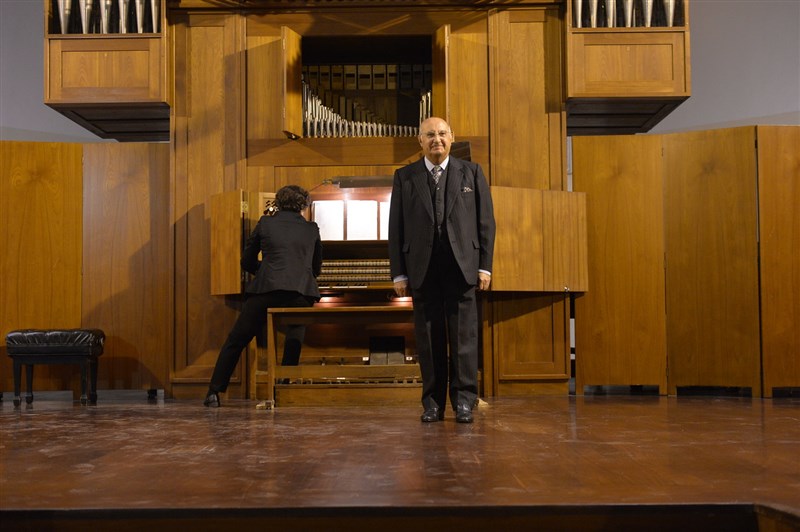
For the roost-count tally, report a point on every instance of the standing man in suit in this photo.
(291, 252)
(441, 240)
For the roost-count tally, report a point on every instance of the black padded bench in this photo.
(56, 346)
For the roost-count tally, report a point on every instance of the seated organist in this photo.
(291, 251)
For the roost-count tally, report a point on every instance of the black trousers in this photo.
(446, 316)
(251, 322)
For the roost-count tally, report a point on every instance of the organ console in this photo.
(359, 338)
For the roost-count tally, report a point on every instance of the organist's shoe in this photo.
(212, 400)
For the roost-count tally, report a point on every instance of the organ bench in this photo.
(338, 383)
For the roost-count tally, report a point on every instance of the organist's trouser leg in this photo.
(293, 345)
(252, 318)
(251, 321)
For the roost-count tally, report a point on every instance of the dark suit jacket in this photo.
(469, 217)
(291, 250)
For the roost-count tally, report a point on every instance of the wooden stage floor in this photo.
(546, 463)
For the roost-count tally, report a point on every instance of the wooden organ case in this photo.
(224, 81)
(470, 72)
(541, 227)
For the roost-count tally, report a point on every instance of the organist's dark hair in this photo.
(292, 198)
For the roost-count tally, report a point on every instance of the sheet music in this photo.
(329, 215)
(362, 220)
(384, 220)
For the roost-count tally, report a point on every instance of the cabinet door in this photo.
(530, 343)
(441, 88)
(710, 228)
(292, 86)
(228, 220)
(274, 89)
(779, 248)
(541, 241)
(620, 325)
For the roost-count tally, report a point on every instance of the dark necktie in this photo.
(436, 173)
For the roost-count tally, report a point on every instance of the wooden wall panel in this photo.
(338, 152)
(710, 208)
(468, 66)
(555, 58)
(620, 323)
(311, 177)
(127, 261)
(261, 178)
(40, 235)
(209, 159)
(779, 231)
(521, 148)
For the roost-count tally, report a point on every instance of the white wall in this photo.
(745, 70)
(745, 57)
(23, 116)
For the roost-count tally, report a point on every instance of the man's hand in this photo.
(401, 288)
(484, 279)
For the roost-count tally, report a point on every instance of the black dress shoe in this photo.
(431, 415)
(212, 400)
(463, 414)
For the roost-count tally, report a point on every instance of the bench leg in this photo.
(84, 378)
(29, 376)
(17, 382)
(93, 381)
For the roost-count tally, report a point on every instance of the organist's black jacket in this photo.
(291, 252)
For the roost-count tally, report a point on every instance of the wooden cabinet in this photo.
(625, 79)
(778, 170)
(731, 226)
(620, 325)
(695, 267)
(113, 84)
(711, 231)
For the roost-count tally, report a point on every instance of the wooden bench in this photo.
(381, 381)
(56, 346)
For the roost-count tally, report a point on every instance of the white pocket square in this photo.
(466, 189)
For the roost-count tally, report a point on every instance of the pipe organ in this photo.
(107, 16)
(222, 82)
